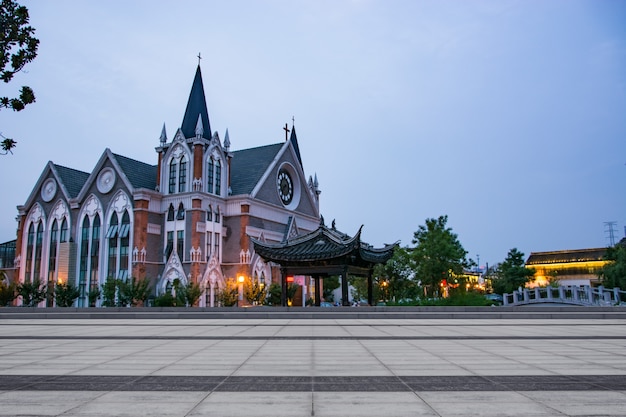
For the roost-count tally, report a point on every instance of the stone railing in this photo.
(575, 295)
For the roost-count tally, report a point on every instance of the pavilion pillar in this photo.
(370, 288)
(344, 287)
(318, 292)
(283, 287)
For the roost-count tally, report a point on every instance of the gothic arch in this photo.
(212, 281)
(173, 270)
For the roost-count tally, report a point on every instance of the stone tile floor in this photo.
(376, 367)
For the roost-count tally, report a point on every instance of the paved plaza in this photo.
(285, 366)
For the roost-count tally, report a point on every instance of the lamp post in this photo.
(240, 279)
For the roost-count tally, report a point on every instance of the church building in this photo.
(189, 217)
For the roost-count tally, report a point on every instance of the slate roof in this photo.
(140, 174)
(323, 244)
(72, 179)
(249, 165)
(566, 256)
(294, 141)
(196, 105)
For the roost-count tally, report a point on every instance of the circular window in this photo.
(49, 189)
(106, 180)
(288, 186)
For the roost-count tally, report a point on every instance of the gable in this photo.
(248, 166)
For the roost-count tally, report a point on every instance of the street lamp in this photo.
(240, 279)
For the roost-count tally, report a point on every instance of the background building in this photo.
(189, 217)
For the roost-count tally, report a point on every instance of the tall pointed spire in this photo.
(196, 108)
(163, 137)
(294, 141)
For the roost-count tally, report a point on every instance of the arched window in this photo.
(170, 213)
(172, 184)
(38, 250)
(209, 214)
(30, 246)
(182, 176)
(95, 254)
(180, 214)
(113, 247)
(84, 260)
(218, 177)
(210, 175)
(217, 215)
(180, 243)
(169, 245)
(63, 237)
(119, 246)
(52, 261)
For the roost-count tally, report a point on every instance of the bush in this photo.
(65, 294)
(32, 292)
(8, 293)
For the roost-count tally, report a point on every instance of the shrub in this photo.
(65, 294)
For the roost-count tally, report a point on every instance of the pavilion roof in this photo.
(323, 244)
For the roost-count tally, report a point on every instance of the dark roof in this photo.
(140, 174)
(72, 179)
(323, 244)
(294, 142)
(566, 256)
(248, 166)
(196, 105)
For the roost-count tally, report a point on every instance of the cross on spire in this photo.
(199, 58)
(286, 129)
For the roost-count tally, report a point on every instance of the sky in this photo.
(507, 116)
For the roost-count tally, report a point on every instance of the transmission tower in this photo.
(610, 231)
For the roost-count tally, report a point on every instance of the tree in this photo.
(19, 47)
(228, 295)
(329, 285)
(438, 254)
(511, 274)
(65, 294)
(192, 292)
(132, 292)
(613, 273)
(292, 289)
(108, 292)
(8, 293)
(274, 294)
(399, 275)
(254, 291)
(32, 292)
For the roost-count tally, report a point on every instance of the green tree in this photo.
(613, 273)
(511, 274)
(399, 274)
(93, 296)
(329, 284)
(109, 289)
(228, 295)
(274, 294)
(254, 291)
(32, 292)
(8, 293)
(65, 294)
(132, 292)
(19, 47)
(193, 292)
(438, 254)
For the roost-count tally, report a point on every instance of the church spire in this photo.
(196, 109)
(294, 142)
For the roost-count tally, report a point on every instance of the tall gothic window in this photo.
(177, 180)
(180, 243)
(172, 184)
(95, 253)
(180, 214)
(84, 260)
(52, 263)
(209, 214)
(170, 245)
(182, 176)
(112, 238)
(217, 246)
(118, 237)
(218, 177)
(210, 175)
(170, 213)
(38, 250)
(63, 237)
(30, 246)
(209, 244)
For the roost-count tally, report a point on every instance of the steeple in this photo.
(294, 143)
(196, 110)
